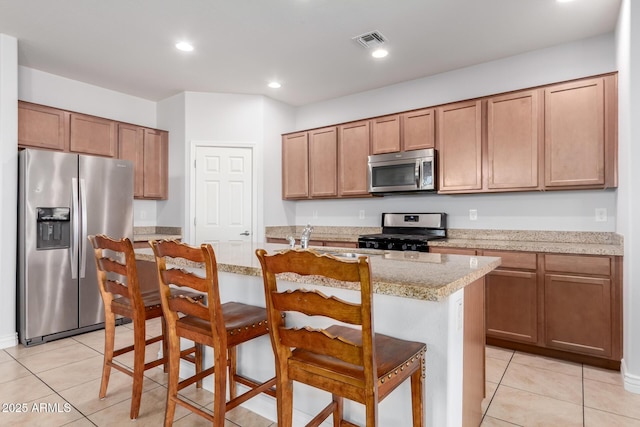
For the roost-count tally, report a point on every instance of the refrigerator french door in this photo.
(63, 198)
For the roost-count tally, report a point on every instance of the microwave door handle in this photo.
(418, 173)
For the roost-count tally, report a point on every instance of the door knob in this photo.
(246, 233)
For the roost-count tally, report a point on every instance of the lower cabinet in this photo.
(564, 306)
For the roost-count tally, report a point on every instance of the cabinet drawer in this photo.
(580, 264)
(522, 260)
(452, 251)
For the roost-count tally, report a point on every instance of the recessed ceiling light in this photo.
(274, 85)
(379, 53)
(184, 46)
(564, 1)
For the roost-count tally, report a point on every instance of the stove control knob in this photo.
(389, 245)
(413, 247)
(404, 246)
(375, 245)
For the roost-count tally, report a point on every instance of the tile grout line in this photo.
(496, 390)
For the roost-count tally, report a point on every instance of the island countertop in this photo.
(416, 275)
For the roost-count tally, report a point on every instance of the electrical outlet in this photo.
(473, 214)
(459, 315)
(361, 214)
(315, 214)
(601, 214)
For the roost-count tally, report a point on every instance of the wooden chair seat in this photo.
(121, 295)
(243, 322)
(348, 362)
(222, 326)
(396, 360)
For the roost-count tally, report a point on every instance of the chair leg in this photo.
(139, 346)
(198, 357)
(417, 392)
(233, 370)
(165, 346)
(109, 338)
(339, 410)
(174, 378)
(220, 389)
(284, 402)
(371, 409)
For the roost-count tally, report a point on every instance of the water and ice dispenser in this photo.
(54, 228)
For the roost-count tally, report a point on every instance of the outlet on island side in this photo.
(473, 214)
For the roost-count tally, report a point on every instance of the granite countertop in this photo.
(422, 276)
(564, 242)
(145, 234)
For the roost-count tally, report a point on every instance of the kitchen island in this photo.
(434, 298)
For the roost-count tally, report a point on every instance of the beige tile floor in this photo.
(56, 384)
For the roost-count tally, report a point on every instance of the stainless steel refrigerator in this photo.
(63, 198)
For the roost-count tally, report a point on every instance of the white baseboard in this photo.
(631, 381)
(9, 340)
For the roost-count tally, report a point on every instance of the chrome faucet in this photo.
(304, 239)
(292, 242)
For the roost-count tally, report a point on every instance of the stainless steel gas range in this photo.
(406, 232)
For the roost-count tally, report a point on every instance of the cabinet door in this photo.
(92, 135)
(513, 137)
(295, 166)
(577, 313)
(512, 309)
(418, 129)
(459, 144)
(385, 134)
(574, 134)
(323, 162)
(353, 153)
(131, 147)
(42, 127)
(155, 170)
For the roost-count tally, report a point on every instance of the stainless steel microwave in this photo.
(402, 172)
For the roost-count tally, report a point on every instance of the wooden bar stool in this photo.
(121, 295)
(220, 326)
(351, 363)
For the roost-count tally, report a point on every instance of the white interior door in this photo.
(223, 194)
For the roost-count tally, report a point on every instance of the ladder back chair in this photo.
(220, 326)
(349, 362)
(121, 295)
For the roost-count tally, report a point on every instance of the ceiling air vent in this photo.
(370, 39)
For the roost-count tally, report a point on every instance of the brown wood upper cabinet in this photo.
(323, 162)
(418, 129)
(326, 162)
(148, 150)
(514, 141)
(40, 126)
(385, 134)
(459, 147)
(295, 166)
(580, 133)
(92, 135)
(413, 130)
(353, 153)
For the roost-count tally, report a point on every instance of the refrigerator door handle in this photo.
(75, 229)
(83, 235)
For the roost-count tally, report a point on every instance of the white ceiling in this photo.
(240, 45)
